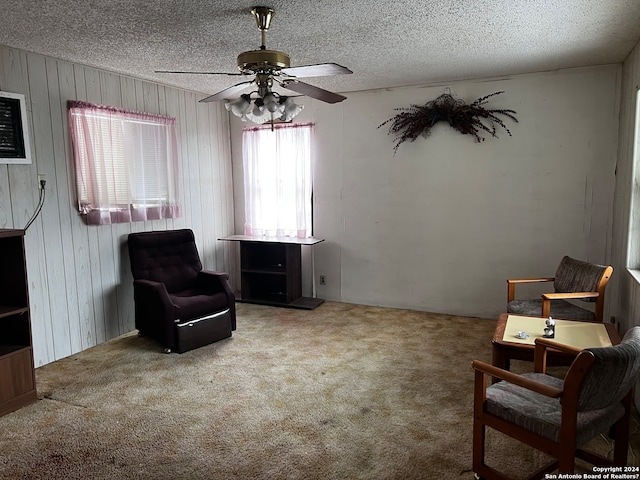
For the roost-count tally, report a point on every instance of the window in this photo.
(277, 180)
(633, 252)
(126, 164)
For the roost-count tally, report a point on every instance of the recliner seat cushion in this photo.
(194, 303)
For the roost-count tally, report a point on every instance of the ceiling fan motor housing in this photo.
(255, 61)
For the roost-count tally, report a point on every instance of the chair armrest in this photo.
(214, 280)
(547, 297)
(569, 295)
(154, 310)
(150, 286)
(512, 282)
(148, 290)
(540, 352)
(220, 282)
(530, 280)
(516, 379)
(563, 347)
(211, 273)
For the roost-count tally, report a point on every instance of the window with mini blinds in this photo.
(126, 164)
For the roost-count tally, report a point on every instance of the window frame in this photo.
(254, 224)
(112, 149)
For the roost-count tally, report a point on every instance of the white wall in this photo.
(440, 226)
(79, 276)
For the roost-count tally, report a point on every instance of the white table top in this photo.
(294, 240)
(569, 332)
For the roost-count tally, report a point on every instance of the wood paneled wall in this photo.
(626, 287)
(79, 276)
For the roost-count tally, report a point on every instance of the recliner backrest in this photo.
(614, 372)
(169, 257)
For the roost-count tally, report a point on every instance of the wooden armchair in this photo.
(559, 416)
(574, 279)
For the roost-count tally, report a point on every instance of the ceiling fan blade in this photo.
(318, 70)
(227, 92)
(197, 73)
(314, 92)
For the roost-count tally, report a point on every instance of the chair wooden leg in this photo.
(567, 462)
(621, 435)
(478, 445)
(479, 429)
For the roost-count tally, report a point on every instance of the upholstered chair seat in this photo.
(196, 302)
(559, 309)
(543, 415)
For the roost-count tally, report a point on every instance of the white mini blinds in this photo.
(126, 164)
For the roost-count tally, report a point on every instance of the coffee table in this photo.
(507, 347)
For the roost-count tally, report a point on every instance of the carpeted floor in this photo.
(341, 392)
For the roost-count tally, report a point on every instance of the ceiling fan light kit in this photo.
(269, 66)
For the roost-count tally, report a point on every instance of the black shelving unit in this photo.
(271, 271)
(17, 375)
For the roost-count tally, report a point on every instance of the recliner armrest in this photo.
(154, 309)
(148, 290)
(219, 281)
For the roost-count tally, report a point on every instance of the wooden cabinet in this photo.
(17, 376)
(271, 271)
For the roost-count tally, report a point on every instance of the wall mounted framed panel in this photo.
(14, 132)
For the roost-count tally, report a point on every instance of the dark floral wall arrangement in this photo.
(417, 120)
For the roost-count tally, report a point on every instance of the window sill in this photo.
(635, 273)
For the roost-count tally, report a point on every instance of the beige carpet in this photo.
(340, 392)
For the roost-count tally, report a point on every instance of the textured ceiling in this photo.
(386, 44)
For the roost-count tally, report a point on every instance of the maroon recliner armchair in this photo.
(178, 303)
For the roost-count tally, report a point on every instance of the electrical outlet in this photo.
(42, 180)
(323, 280)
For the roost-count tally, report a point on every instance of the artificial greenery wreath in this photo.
(467, 119)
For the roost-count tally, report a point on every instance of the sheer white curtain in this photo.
(126, 164)
(277, 180)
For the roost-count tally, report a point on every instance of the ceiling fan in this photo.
(272, 67)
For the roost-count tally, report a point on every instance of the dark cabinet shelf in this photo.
(271, 271)
(17, 385)
(265, 271)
